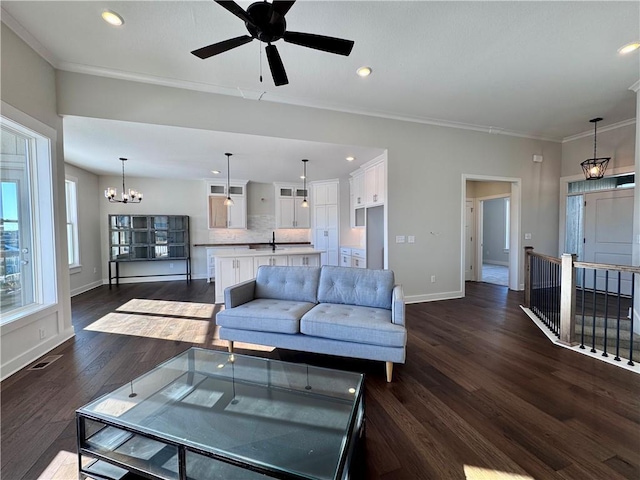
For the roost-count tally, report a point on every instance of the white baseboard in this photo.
(432, 297)
(28, 357)
(86, 288)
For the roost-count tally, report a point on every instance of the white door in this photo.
(469, 253)
(608, 233)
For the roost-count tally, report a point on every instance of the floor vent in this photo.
(45, 362)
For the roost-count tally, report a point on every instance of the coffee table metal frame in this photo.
(354, 429)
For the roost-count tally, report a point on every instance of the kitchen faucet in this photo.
(273, 241)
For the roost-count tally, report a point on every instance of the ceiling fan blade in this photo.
(282, 6)
(220, 47)
(320, 42)
(275, 64)
(236, 9)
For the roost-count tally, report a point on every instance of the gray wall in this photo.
(425, 164)
(493, 232)
(89, 196)
(28, 84)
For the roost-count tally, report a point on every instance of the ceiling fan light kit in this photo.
(265, 22)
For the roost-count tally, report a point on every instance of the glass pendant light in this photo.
(305, 204)
(228, 202)
(595, 167)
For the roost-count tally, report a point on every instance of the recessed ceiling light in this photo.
(629, 47)
(215, 172)
(112, 18)
(364, 71)
(350, 159)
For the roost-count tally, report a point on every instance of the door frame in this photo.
(480, 232)
(516, 253)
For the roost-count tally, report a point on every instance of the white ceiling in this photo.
(539, 69)
(161, 151)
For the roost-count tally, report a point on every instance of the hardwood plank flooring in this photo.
(483, 393)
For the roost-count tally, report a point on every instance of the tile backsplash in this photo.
(259, 229)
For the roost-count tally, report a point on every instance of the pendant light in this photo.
(305, 204)
(228, 202)
(595, 167)
(131, 196)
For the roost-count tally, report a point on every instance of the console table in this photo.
(144, 238)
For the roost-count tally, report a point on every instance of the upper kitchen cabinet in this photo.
(221, 215)
(289, 210)
(374, 184)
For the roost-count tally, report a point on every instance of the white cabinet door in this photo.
(309, 260)
(374, 182)
(345, 260)
(358, 262)
(285, 217)
(358, 190)
(238, 212)
(301, 214)
(244, 268)
(280, 260)
(225, 276)
(259, 261)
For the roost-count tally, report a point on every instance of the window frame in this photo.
(71, 204)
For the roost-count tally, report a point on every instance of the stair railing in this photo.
(556, 288)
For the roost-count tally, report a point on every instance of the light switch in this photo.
(400, 239)
(527, 236)
(411, 239)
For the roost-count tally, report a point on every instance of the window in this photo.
(28, 280)
(507, 218)
(73, 245)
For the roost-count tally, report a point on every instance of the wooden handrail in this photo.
(548, 258)
(606, 266)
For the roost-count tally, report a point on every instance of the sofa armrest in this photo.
(240, 293)
(397, 305)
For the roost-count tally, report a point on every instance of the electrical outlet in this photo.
(527, 236)
(95, 270)
(42, 333)
(411, 239)
(433, 279)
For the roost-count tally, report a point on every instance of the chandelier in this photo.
(595, 167)
(131, 196)
(304, 203)
(228, 202)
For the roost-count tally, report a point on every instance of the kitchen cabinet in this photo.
(358, 184)
(304, 260)
(289, 210)
(374, 184)
(326, 221)
(345, 257)
(232, 270)
(211, 259)
(358, 258)
(271, 260)
(222, 216)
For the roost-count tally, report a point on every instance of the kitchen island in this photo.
(235, 266)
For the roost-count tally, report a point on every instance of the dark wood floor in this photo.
(482, 392)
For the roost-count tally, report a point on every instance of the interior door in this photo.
(469, 244)
(608, 229)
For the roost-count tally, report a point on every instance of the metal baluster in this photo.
(584, 276)
(617, 357)
(633, 278)
(593, 326)
(556, 297)
(606, 311)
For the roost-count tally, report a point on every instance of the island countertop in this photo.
(268, 252)
(250, 245)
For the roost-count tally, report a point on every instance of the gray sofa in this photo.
(350, 312)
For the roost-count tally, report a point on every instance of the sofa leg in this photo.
(389, 366)
(230, 346)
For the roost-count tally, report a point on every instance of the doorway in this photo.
(491, 206)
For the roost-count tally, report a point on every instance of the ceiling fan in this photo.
(265, 22)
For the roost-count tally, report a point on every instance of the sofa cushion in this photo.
(351, 323)
(356, 286)
(265, 315)
(288, 283)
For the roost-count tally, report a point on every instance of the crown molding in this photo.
(589, 133)
(635, 87)
(17, 28)
(270, 97)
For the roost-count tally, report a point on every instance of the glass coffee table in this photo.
(207, 414)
